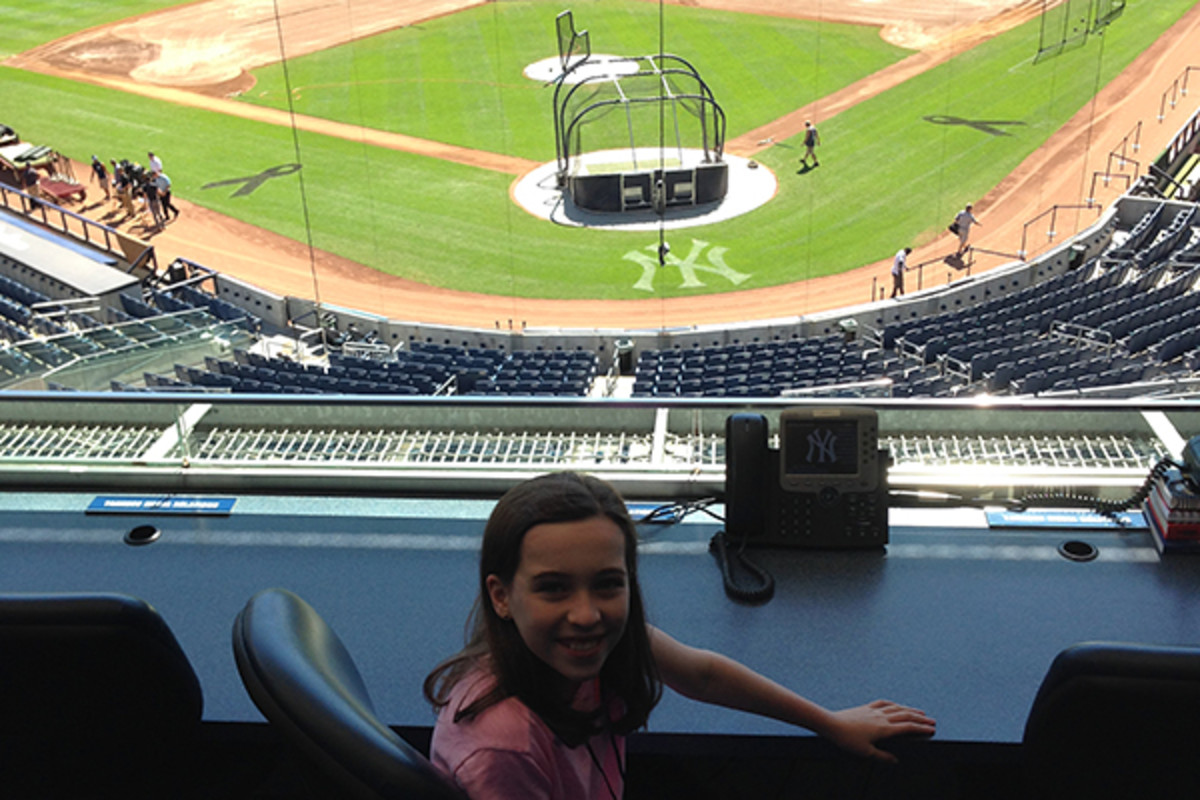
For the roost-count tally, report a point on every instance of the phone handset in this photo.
(746, 475)
(746, 486)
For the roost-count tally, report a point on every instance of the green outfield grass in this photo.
(458, 79)
(887, 175)
(24, 26)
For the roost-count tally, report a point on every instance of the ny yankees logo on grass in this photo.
(688, 267)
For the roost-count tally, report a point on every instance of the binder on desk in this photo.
(1173, 513)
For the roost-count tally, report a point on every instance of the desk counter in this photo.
(954, 617)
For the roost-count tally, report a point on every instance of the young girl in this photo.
(561, 664)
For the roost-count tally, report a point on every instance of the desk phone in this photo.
(825, 486)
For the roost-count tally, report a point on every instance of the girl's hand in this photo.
(858, 729)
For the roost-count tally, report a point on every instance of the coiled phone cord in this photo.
(1106, 507)
(762, 584)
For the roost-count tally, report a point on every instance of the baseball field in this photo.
(386, 141)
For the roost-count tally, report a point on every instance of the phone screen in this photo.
(820, 447)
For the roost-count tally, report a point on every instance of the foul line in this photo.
(494, 162)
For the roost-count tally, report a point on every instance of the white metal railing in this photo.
(367, 444)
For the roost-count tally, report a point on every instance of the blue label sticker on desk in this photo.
(124, 504)
(1063, 518)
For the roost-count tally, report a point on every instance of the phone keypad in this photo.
(831, 519)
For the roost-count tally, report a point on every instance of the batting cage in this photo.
(635, 133)
(1066, 24)
(573, 46)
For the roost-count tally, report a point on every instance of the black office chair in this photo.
(303, 680)
(1116, 721)
(97, 699)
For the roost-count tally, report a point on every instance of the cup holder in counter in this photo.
(1076, 550)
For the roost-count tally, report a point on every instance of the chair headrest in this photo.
(1098, 680)
(106, 661)
(95, 689)
(302, 678)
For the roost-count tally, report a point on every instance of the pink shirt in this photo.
(508, 753)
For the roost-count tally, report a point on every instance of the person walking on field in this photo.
(100, 175)
(153, 204)
(123, 185)
(899, 267)
(163, 184)
(962, 226)
(811, 140)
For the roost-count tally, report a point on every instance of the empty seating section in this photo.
(189, 299)
(38, 335)
(22, 294)
(1128, 316)
(423, 369)
(756, 369)
(1189, 251)
(1089, 329)
(1107, 324)
(15, 312)
(1142, 233)
(1177, 232)
(135, 308)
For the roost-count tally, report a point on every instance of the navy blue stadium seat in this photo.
(135, 307)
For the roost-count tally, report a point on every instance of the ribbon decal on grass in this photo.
(986, 125)
(252, 182)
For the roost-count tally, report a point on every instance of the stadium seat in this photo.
(136, 308)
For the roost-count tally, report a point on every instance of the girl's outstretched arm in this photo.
(713, 678)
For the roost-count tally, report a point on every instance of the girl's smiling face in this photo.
(569, 597)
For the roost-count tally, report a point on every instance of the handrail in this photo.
(1023, 253)
(95, 234)
(1082, 335)
(1122, 161)
(147, 259)
(1136, 133)
(1179, 88)
(884, 384)
(1107, 177)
